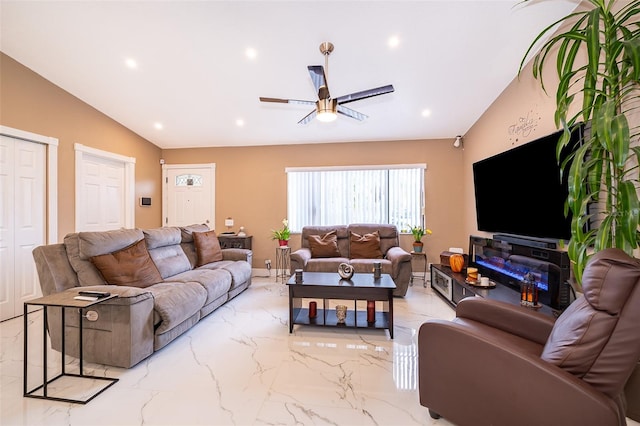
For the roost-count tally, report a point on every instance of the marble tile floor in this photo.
(240, 366)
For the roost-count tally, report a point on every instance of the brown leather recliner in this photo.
(501, 364)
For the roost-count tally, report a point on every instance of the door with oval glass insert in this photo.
(189, 194)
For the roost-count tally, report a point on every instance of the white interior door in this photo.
(22, 221)
(189, 194)
(104, 190)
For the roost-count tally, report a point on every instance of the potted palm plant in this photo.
(603, 175)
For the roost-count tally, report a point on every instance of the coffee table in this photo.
(326, 286)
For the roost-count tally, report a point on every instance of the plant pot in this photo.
(417, 246)
(283, 243)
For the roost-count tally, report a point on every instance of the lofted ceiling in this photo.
(193, 75)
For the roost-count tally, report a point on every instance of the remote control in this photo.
(98, 294)
(87, 298)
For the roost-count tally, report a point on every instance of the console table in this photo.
(64, 301)
(451, 286)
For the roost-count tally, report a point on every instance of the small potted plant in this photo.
(282, 235)
(418, 232)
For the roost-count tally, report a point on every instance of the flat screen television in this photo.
(520, 191)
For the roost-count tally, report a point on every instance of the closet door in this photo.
(22, 219)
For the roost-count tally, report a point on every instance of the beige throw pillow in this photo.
(207, 247)
(324, 245)
(365, 246)
(131, 266)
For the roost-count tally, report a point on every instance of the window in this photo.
(364, 194)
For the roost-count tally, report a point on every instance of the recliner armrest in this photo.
(470, 377)
(299, 258)
(237, 254)
(398, 254)
(513, 319)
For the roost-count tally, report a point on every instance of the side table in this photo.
(283, 263)
(419, 259)
(64, 300)
(234, 241)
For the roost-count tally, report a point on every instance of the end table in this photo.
(64, 300)
(283, 263)
(420, 260)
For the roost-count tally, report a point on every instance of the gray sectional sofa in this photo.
(143, 319)
(394, 259)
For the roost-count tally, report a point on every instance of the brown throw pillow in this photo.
(131, 266)
(365, 246)
(207, 247)
(325, 245)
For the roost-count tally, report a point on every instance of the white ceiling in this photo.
(453, 58)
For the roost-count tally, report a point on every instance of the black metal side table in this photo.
(419, 259)
(64, 300)
(283, 263)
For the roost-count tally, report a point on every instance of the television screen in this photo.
(520, 191)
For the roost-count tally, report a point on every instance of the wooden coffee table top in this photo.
(332, 279)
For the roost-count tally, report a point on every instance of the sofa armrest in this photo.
(299, 258)
(470, 378)
(397, 255)
(513, 319)
(237, 254)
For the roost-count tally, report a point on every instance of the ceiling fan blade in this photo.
(319, 80)
(307, 118)
(287, 101)
(351, 113)
(365, 94)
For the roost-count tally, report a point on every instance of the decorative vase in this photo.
(417, 246)
(341, 313)
(283, 243)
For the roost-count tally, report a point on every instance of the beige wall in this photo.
(251, 185)
(29, 102)
(251, 182)
(522, 113)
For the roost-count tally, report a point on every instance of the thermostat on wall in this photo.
(145, 201)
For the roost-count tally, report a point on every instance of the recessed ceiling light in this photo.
(239, 122)
(426, 112)
(158, 126)
(394, 41)
(251, 53)
(131, 63)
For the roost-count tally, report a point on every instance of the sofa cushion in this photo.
(165, 250)
(324, 245)
(131, 266)
(216, 282)
(365, 246)
(240, 270)
(325, 264)
(207, 247)
(174, 302)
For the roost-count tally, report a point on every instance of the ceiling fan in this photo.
(326, 106)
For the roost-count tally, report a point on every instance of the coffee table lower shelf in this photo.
(327, 318)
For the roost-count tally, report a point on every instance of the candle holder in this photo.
(371, 311)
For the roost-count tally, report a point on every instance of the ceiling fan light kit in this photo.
(327, 108)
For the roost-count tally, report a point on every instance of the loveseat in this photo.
(167, 280)
(324, 248)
